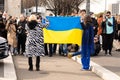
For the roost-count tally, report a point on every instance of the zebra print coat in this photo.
(35, 41)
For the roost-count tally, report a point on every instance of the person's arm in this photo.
(45, 23)
(7, 25)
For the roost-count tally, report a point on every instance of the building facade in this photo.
(1, 4)
(12, 7)
(115, 8)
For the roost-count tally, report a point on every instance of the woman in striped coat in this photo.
(34, 42)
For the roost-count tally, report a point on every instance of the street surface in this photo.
(111, 63)
(1, 68)
(52, 68)
(58, 67)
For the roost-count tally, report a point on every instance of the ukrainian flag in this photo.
(63, 30)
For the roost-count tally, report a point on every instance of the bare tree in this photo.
(63, 7)
(30, 3)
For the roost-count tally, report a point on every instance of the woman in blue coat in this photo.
(87, 43)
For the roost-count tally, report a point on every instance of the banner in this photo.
(63, 30)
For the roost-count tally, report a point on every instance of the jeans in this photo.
(63, 49)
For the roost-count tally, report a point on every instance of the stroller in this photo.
(97, 46)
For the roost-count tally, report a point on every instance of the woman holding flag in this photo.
(35, 41)
(87, 43)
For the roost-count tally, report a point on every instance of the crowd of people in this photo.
(104, 30)
(25, 36)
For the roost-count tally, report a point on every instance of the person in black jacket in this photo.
(21, 34)
(108, 28)
(3, 32)
(94, 23)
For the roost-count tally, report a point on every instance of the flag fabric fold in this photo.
(63, 30)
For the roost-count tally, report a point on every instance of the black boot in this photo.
(110, 52)
(37, 63)
(105, 52)
(30, 64)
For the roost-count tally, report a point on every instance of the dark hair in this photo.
(12, 21)
(101, 15)
(108, 12)
(83, 10)
(50, 14)
(87, 19)
(91, 13)
(39, 17)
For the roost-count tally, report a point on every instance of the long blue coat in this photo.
(87, 45)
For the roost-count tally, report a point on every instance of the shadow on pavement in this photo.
(31, 75)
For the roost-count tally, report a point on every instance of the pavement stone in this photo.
(1, 68)
(8, 69)
(52, 68)
(62, 68)
(107, 67)
(109, 62)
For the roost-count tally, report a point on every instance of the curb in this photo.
(5, 79)
(9, 69)
(99, 70)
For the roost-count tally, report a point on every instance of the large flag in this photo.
(63, 30)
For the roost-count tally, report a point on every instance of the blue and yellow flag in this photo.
(63, 30)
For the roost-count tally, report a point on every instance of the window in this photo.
(2, 5)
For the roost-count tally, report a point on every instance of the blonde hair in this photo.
(32, 17)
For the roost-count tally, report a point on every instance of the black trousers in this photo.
(50, 49)
(30, 62)
(21, 43)
(45, 47)
(107, 42)
(54, 48)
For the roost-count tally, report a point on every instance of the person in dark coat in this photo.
(94, 22)
(3, 32)
(21, 34)
(108, 30)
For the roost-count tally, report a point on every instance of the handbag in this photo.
(110, 24)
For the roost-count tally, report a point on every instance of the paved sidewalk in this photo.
(107, 67)
(53, 68)
(7, 69)
(111, 63)
(1, 68)
(62, 68)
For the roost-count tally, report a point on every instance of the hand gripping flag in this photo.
(63, 30)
